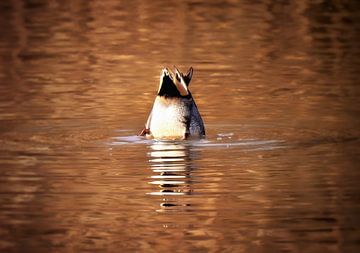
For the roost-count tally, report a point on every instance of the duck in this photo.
(174, 115)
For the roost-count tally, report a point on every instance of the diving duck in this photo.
(174, 115)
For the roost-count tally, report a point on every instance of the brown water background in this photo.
(277, 84)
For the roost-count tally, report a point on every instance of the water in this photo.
(277, 85)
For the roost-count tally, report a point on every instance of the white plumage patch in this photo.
(168, 118)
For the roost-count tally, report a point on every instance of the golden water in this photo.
(276, 82)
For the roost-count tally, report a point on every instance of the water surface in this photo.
(277, 85)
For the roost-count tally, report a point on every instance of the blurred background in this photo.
(276, 82)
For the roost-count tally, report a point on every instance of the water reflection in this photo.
(172, 166)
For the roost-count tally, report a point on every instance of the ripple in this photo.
(172, 147)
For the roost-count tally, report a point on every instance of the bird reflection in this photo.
(171, 163)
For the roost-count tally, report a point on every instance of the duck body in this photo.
(174, 114)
